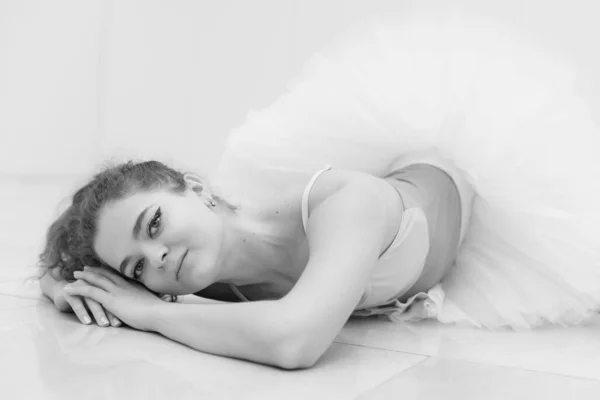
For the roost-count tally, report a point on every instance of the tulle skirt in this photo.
(507, 119)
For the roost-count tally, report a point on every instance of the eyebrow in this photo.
(137, 227)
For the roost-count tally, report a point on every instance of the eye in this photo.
(154, 223)
(138, 270)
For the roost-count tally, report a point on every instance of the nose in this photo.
(155, 254)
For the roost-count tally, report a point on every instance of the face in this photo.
(169, 242)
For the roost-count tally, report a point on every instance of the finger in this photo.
(79, 309)
(95, 279)
(169, 298)
(98, 312)
(110, 274)
(114, 321)
(82, 288)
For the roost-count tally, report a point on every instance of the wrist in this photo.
(156, 316)
(49, 286)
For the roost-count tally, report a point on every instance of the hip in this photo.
(434, 191)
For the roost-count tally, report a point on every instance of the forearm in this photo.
(194, 299)
(254, 331)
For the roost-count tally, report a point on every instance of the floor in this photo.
(48, 355)
(45, 354)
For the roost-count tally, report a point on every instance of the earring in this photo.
(212, 202)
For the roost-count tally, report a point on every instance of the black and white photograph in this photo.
(285, 199)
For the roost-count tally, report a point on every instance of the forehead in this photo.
(128, 208)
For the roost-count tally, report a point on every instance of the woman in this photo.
(454, 194)
(167, 231)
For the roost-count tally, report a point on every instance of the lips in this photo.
(180, 265)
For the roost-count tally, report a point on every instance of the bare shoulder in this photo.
(331, 183)
(345, 188)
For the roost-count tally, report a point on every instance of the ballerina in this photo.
(434, 169)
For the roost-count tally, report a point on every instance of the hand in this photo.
(128, 300)
(66, 302)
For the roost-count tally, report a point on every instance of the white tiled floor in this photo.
(48, 355)
(439, 378)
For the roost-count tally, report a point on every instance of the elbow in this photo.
(297, 353)
(300, 343)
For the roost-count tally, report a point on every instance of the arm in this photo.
(360, 214)
(253, 331)
(348, 228)
(295, 331)
(53, 284)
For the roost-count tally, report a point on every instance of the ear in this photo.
(194, 182)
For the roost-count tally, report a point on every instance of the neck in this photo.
(248, 255)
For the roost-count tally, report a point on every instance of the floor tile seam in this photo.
(494, 364)
(384, 349)
(20, 281)
(16, 296)
(425, 359)
(473, 362)
(16, 308)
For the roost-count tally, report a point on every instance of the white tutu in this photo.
(503, 115)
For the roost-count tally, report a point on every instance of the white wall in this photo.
(85, 80)
(48, 84)
(181, 74)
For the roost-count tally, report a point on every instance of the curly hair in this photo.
(69, 239)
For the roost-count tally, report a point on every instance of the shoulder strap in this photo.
(237, 292)
(307, 193)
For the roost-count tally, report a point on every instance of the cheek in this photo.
(189, 231)
(154, 283)
(192, 226)
(202, 231)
